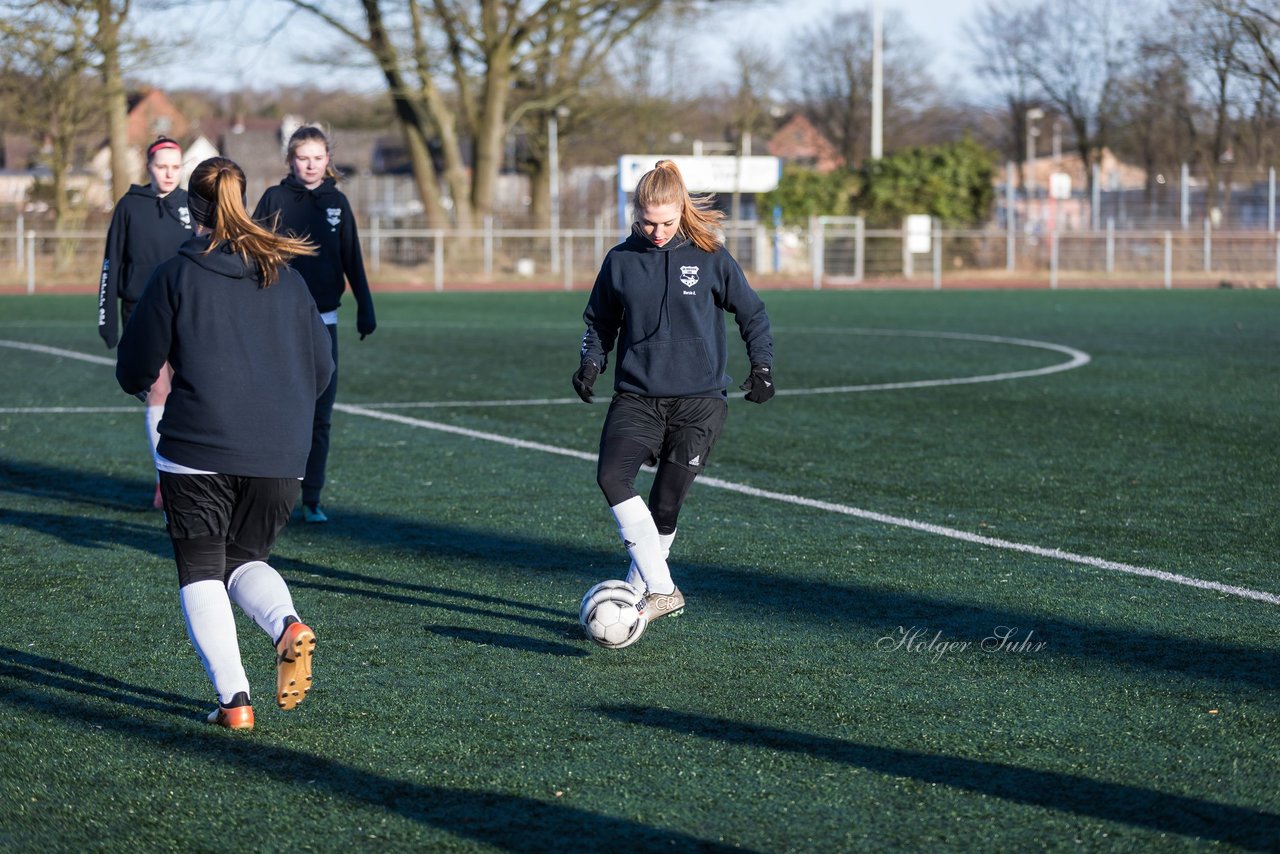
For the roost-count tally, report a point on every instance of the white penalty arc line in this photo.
(843, 509)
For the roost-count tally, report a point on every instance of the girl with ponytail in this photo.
(250, 355)
(660, 297)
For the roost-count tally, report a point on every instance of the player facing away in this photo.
(250, 356)
(660, 296)
(150, 222)
(308, 204)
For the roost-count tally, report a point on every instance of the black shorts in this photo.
(219, 522)
(678, 430)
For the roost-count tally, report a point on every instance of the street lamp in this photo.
(553, 166)
(1034, 115)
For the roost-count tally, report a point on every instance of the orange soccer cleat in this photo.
(239, 716)
(293, 664)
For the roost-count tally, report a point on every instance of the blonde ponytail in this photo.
(216, 194)
(664, 185)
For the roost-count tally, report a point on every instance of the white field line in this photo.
(843, 509)
(1078, 358)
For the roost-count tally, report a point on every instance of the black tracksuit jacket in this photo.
(664, 307)
(145, 230)
(248, 362)
(324, 216)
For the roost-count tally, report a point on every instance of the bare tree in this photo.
(1076, 55)
(451, 65)
(1261, 23)
(47, 51)
(1000, 41)
(832, 70)
(110, 16)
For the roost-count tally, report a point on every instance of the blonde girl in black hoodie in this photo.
(308, 204)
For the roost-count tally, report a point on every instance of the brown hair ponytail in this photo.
(664, 185)
(216, 198)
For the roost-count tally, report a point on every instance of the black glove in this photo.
(759, 386)
(143, 395)
(365, 322)
(584, 379)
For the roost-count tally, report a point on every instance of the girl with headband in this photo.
(149, 224)
(308, 203)
(250, 356)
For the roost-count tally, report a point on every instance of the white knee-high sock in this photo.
(212, 629)
(664, 546)
(154, 414)
(262, 594)
(640, 536)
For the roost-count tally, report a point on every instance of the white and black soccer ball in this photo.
(613, 614)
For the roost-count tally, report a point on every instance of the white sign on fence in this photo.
(919, 233)
(1059, 185)
(717, 174)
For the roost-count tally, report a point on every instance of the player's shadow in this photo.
(521, 643)
(775, 596)
(1126, 804)
(88, 532)
(427, 597)
(492, 818)
(757, 594)
(41, 672)
(107, 492)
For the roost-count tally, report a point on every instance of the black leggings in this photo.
(620, 462)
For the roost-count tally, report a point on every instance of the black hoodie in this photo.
(664, 307)
(248, 362)
(145, 230)
(324, 216)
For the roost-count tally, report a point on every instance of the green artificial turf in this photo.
(837, 681)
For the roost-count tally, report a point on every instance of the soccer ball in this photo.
(613, 614)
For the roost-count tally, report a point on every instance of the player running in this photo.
(250, 356)
(661, 296)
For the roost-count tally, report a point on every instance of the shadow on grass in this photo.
(510, 822)
(1116, 802)
(41, 672)
(109, 492)
(518, 560)
(359, 586)
(516, 642)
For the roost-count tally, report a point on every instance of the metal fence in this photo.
(844, 253)
(832, 252)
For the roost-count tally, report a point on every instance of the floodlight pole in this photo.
(1034, 115)
(553, 166)
(877, 81)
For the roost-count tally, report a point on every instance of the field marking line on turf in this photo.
(843, 509)
(58, 351)
(1079, 358)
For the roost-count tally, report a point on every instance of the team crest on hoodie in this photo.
(334, 216)
(184, 216)
(689, 277)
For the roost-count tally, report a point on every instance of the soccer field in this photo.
(993, 571)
